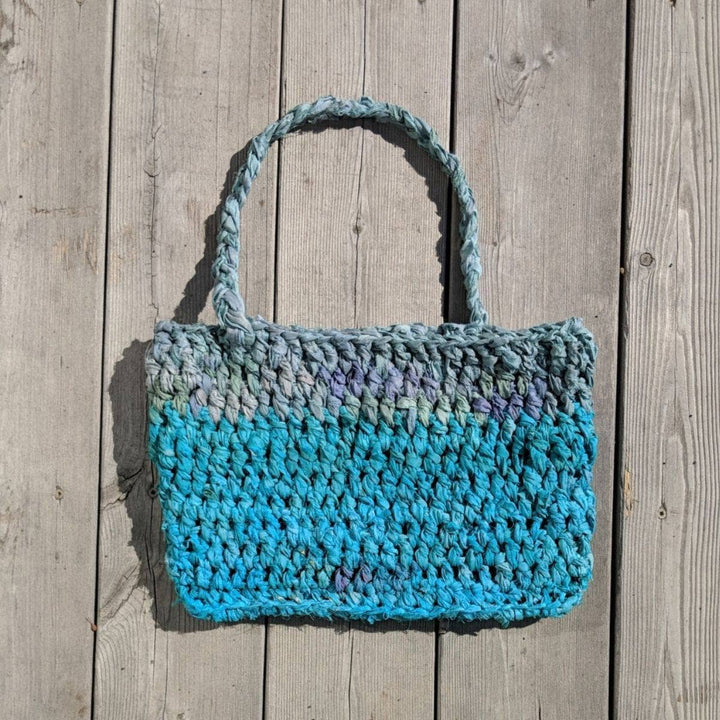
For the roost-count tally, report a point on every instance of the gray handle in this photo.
(228, 302)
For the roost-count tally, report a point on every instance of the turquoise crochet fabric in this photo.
(404, 472)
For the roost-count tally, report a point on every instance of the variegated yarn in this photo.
(405, 472)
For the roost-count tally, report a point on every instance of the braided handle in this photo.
(227, 300)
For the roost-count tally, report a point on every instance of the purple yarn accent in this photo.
(430, 386)
(481, 405)
(373, 382)
(364, 574)
(398, 384)
(533, 404)
(515, 406)
(356, 379)
(342, 579)
(324, 374)
(393, 384)
(412, 382)
(498, 406)
(337, 384)
(535, 397)
(541, 387)
(199, 396)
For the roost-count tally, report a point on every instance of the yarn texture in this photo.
(403, 472)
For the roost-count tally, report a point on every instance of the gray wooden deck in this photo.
(593, 150)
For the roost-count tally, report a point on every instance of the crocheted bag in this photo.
(404, 472)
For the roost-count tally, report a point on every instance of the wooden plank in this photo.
(54, 101)
(668, 607)
(193, 83)
(360, 242)
(539, 127)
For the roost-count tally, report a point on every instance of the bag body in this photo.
(403, 472)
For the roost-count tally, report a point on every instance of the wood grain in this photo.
(360, 242)
(54, 99)
(668, 604)
(361, 239)
(193, 83)
(539, 122)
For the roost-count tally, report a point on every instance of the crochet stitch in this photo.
(405, 472)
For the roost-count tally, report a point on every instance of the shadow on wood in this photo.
(129, 410)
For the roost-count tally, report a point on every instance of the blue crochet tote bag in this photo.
(405, 472)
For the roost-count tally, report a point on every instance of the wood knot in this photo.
(517, 61)
(646, 259)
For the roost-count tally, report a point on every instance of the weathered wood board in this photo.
(193, 82)
(539, 124)
(54, 110)
(360, 242)
(668, 604)
(153, 102)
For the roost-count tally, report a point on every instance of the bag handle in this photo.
(227, 301)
